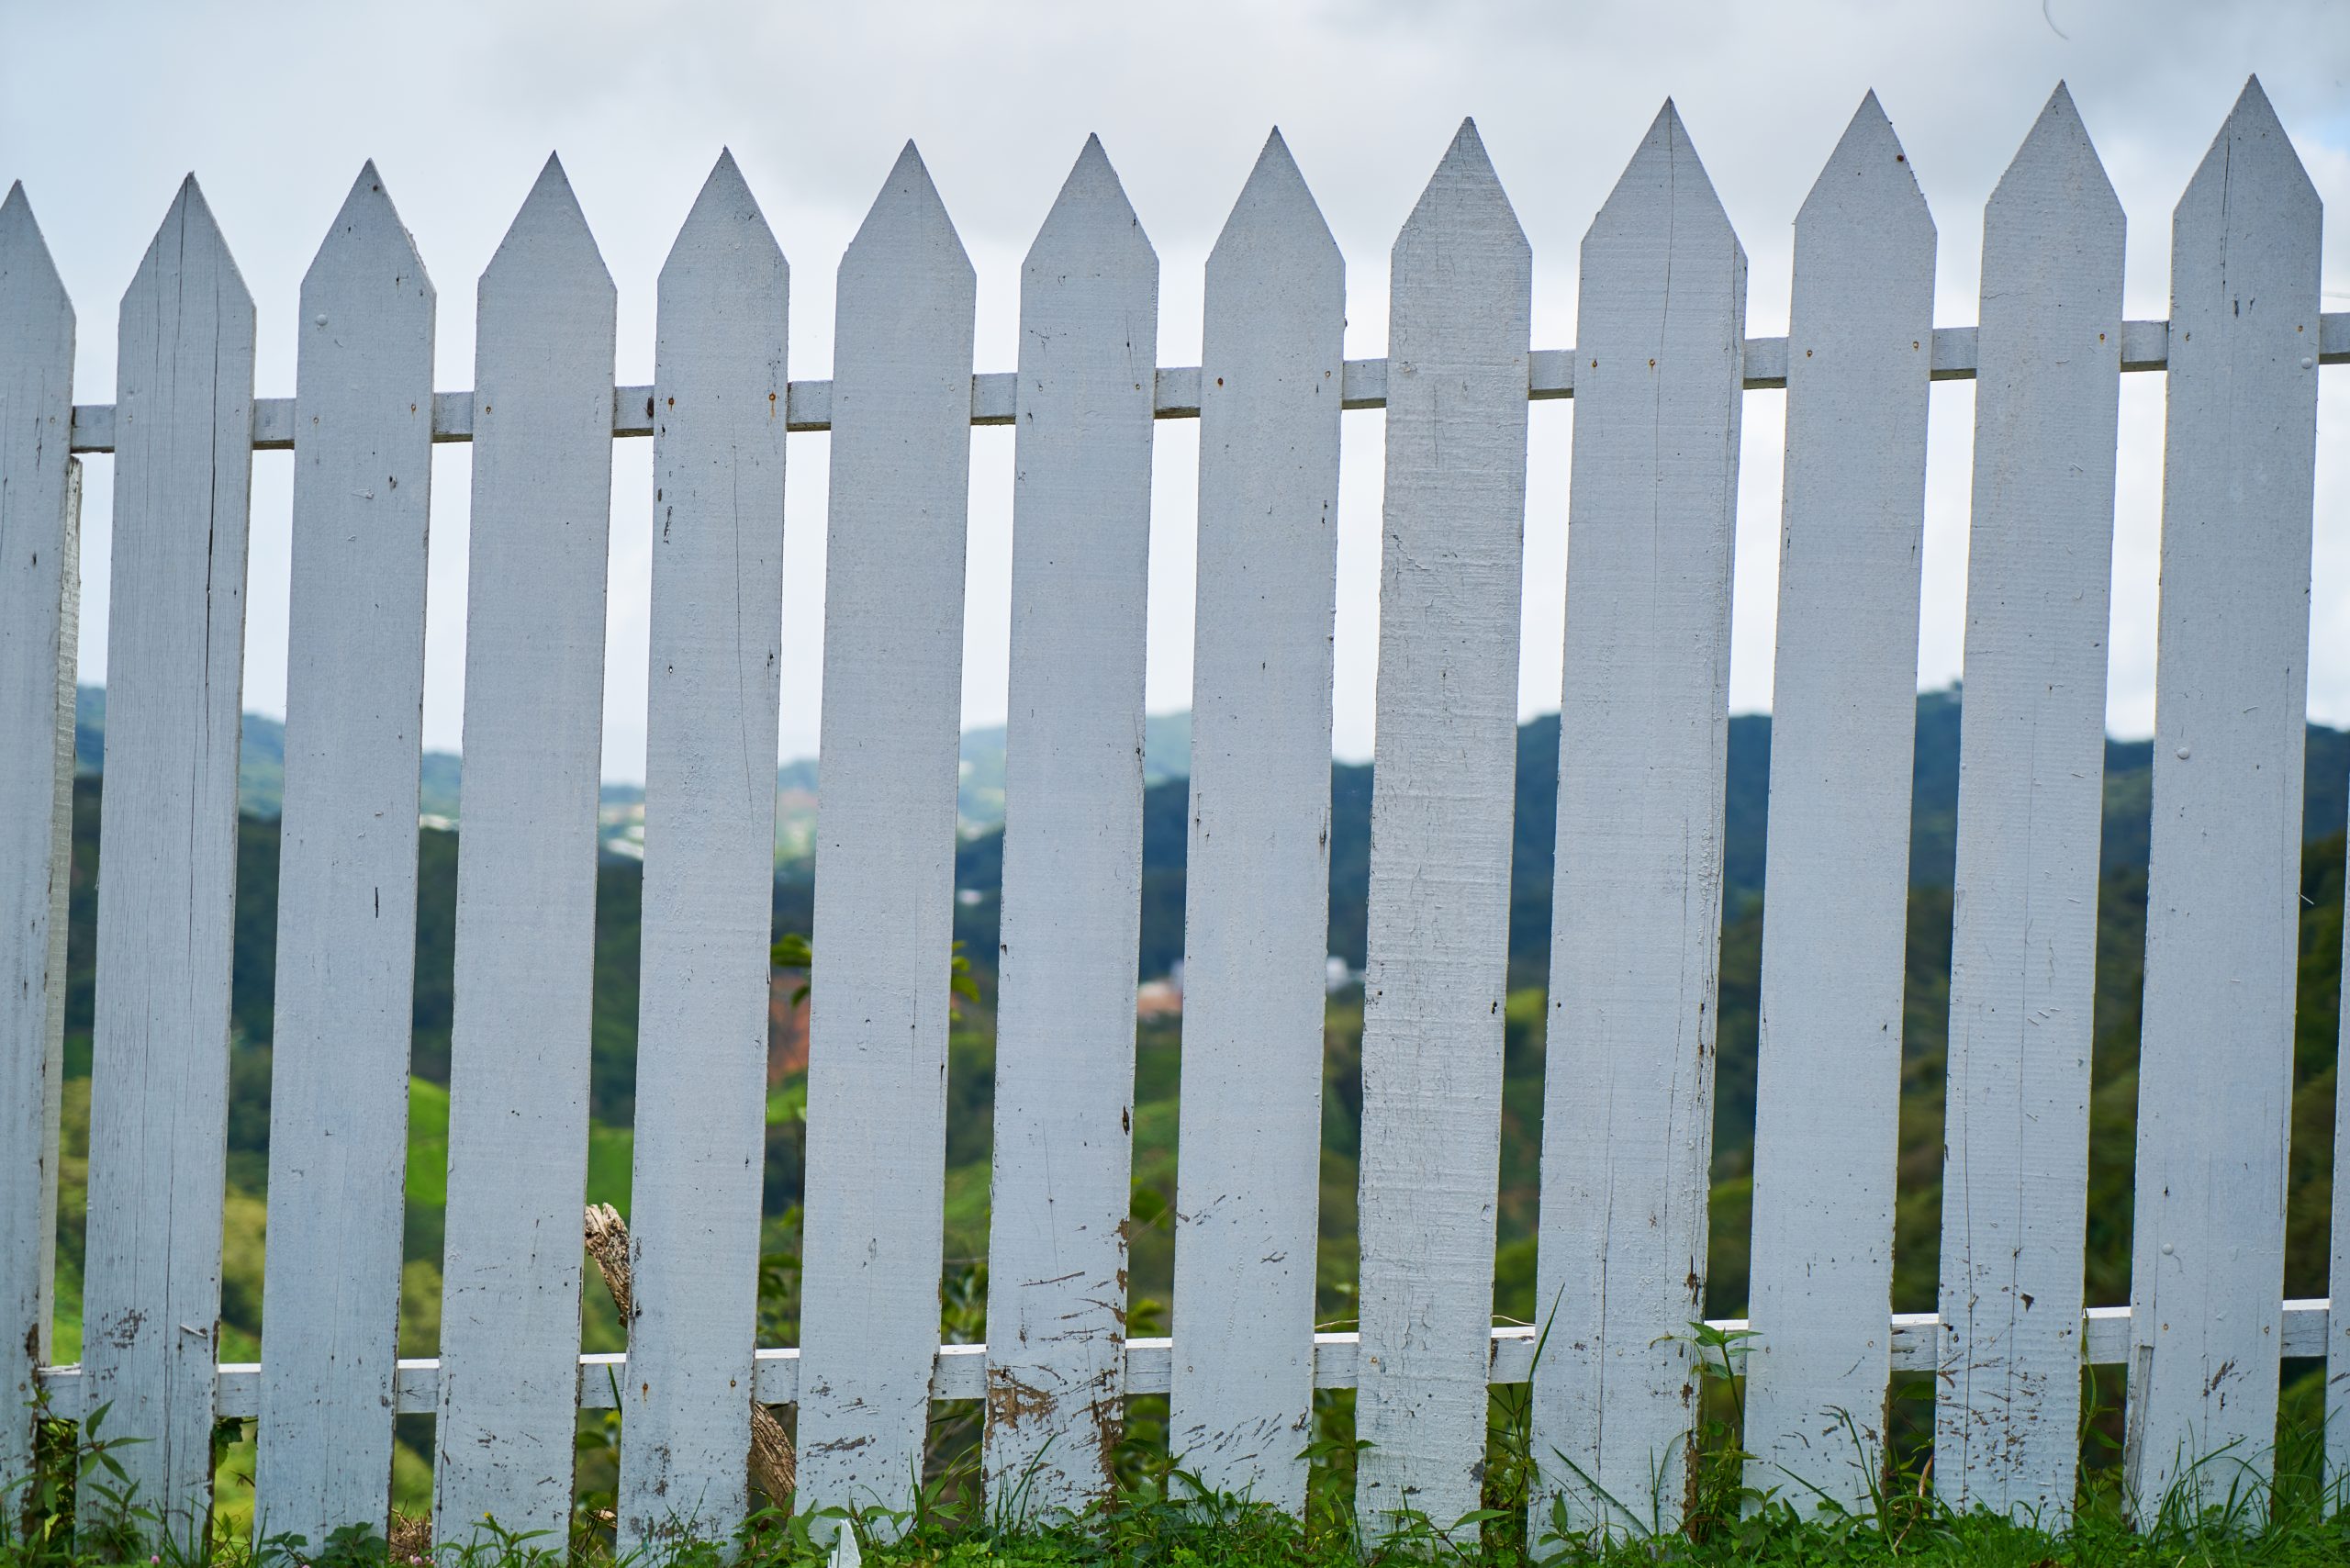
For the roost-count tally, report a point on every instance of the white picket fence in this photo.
(1658, 375)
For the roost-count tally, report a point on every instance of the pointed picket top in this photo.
(2055, 184)
(1664, 188)
(367, 239)
(28, 280)
(1276, 213)
(2245, 234)
(185, 242)
(1091, 218)
(725, 228)
(1464, 195)
(908, 215)
(1868, 187)
(549, 237)
(2251, 150)
(2057, 168)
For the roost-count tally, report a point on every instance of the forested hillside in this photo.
(2122, 920)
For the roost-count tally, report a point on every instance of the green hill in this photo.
(2122, 926)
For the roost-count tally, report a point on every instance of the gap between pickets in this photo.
(2145, 346)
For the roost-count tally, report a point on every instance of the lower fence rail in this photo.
(960, 1371)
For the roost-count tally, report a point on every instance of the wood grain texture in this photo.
(159, 1093)
(1072, 854)
(885, 849)
(526, 874)
(716, 653)
(1636, 940)
(1459, 319)
(2023, 941)
(2215, 1063)
(39, 612)
(346, 900)
(1828, 1108)
(1258, 890)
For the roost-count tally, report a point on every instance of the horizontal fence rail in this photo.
(808, 406)
(960, 1371)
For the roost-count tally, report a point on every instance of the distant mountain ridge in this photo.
(261, 760)
(2129, 800)
(261, 776)
(1933, 848)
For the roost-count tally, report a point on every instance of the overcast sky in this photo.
(104, 107)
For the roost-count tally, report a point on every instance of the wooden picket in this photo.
(1459, 314)
(1636, 936)
(885, 852)
(1257, 879)
(1659, 371)
(715, 688)
(346, 900)
(1073, 853)
(2215, 1055)
(526, 875)
(159, 1092)
(40, 555)
(1843, 715)
(2023, 938)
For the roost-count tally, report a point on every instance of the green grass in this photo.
(1144, 1527)
(1158, 1516)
